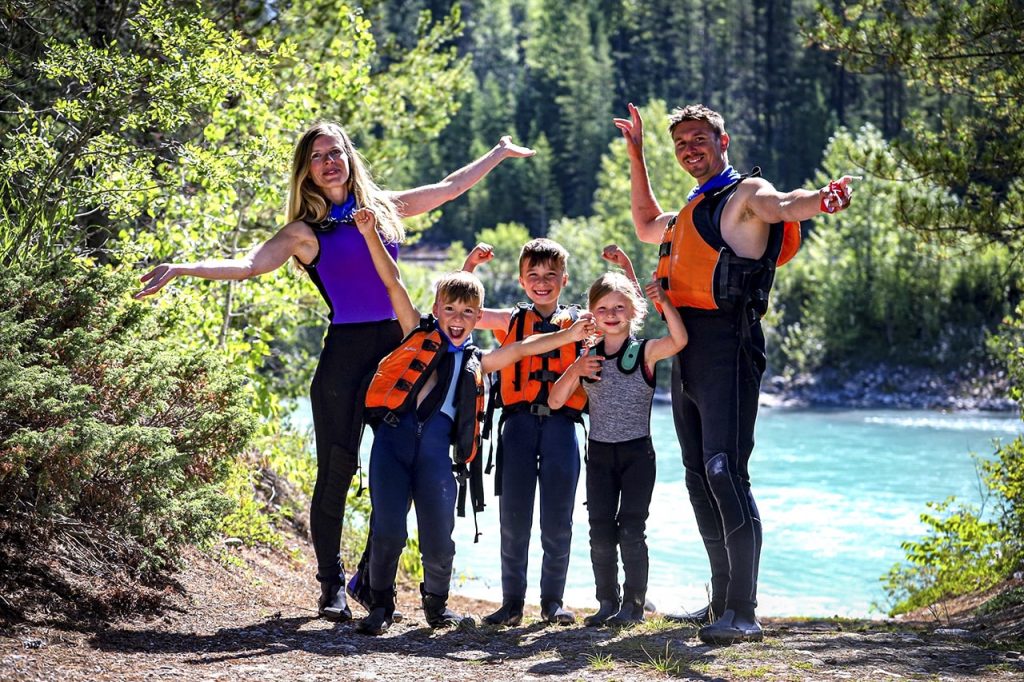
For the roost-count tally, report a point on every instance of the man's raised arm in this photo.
(649, 220)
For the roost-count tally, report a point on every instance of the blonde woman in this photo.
(329, 183)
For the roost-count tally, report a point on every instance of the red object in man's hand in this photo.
(836, 198)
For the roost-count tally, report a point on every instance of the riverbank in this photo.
(248, 615)
(972, 387)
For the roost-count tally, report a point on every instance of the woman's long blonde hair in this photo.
(307, 202)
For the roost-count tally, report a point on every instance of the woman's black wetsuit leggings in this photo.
(715, 386)
(350, 355)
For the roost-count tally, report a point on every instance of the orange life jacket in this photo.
(528, 382)
(698, 269)
(525, 385)
(402, 373)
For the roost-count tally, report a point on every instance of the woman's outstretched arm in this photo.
(295, 239)
(425, 198)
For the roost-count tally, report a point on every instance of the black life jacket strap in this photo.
(476, 484)
(493, 401)
(586, 444)
(359, 469)
(519, 318)
(464, 476)
(539, 409)
(460, 476)
(545, 375)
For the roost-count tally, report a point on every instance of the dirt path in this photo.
(251, 619)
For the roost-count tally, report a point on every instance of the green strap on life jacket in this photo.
(630, 355)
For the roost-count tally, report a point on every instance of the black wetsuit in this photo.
(362, 332)
(351, 353)
(716, 381)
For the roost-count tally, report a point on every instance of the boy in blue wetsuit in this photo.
(537, 445)
(425, 396)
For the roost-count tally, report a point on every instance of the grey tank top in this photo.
(620, 403)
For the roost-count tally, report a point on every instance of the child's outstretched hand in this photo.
(613, 254)
(583, 328)
(587, 366)
(480, 254)
(366, 220)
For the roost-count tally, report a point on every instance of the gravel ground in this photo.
(249, 615)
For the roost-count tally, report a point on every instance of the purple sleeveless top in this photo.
(344, 273)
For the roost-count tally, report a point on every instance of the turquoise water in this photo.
(838, 492)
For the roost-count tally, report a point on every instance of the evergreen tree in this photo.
(969, 139)
(569, 74)
(540, 198)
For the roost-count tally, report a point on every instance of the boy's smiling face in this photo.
(543, 282)
(457, 319)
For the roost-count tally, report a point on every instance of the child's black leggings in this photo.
(620, 481)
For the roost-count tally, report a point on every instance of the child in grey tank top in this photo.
(618, 377)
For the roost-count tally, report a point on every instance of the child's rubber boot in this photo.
(510, 614)
(551, 610)
(437, 613)
(379, 619)
(358, 589)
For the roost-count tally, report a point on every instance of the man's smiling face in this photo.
(699, 149)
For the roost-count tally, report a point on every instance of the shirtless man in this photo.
(717, 261)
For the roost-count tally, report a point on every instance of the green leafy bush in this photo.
(107, 431)
(959, 554)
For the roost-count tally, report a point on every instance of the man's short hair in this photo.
(696, 112)
(543, 251)
(462, 287)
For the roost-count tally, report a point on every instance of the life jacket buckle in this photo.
(538, 410)
(544, 375)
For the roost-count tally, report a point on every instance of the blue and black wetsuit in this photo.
(411, 460)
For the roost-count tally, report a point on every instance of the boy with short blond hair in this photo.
(426, 396)
(537, 446)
